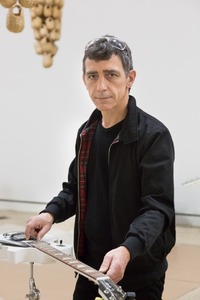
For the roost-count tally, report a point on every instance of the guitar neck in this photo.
(72, 262)
(107, 288)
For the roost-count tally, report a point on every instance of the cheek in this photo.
(90, 91)
(90, 88)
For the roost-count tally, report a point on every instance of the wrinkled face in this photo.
(107, 83)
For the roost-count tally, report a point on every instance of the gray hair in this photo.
(104, 47)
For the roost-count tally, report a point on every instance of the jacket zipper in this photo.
(116, 140)
(78, 200)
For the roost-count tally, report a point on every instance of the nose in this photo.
(101, 84)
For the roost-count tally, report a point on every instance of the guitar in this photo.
(107, 288)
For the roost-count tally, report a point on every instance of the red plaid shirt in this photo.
(86, 141)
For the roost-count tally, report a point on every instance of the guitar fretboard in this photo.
(74, 263)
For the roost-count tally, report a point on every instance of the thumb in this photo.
(105, 264)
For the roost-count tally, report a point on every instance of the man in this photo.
(120, 184)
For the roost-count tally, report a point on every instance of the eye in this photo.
(112, 75)
(92, 76)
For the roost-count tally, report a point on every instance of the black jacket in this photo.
(141, 194)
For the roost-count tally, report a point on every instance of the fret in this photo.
(77, 265)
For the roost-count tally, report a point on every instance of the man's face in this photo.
(107, 83)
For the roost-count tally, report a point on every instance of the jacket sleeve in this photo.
(155, 221)
(63, 206)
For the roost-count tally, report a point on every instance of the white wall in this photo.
(41, 109)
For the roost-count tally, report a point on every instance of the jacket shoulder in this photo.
(146, 121)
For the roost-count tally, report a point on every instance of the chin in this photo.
(103, 107)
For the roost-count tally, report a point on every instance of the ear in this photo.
(131, 78)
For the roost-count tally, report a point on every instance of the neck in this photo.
(109, 118)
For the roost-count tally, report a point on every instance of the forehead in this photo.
(114, 63)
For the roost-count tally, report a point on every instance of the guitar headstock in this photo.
(111, 291)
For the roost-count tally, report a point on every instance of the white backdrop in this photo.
(41, 109)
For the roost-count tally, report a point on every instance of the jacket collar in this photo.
(129, 131)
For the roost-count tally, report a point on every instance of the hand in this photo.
(115, 262)
(38, 226)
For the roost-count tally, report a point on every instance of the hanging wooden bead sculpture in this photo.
(15, 15)
(8, 3)
(46, 23)
(15, 19)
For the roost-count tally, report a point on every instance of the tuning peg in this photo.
(130, 296)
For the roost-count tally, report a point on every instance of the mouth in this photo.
(103, 98)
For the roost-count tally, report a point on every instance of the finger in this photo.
(28, 232)
(41, 233)
(31, 229)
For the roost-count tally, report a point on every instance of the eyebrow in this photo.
(91, 73)
(109, 71)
